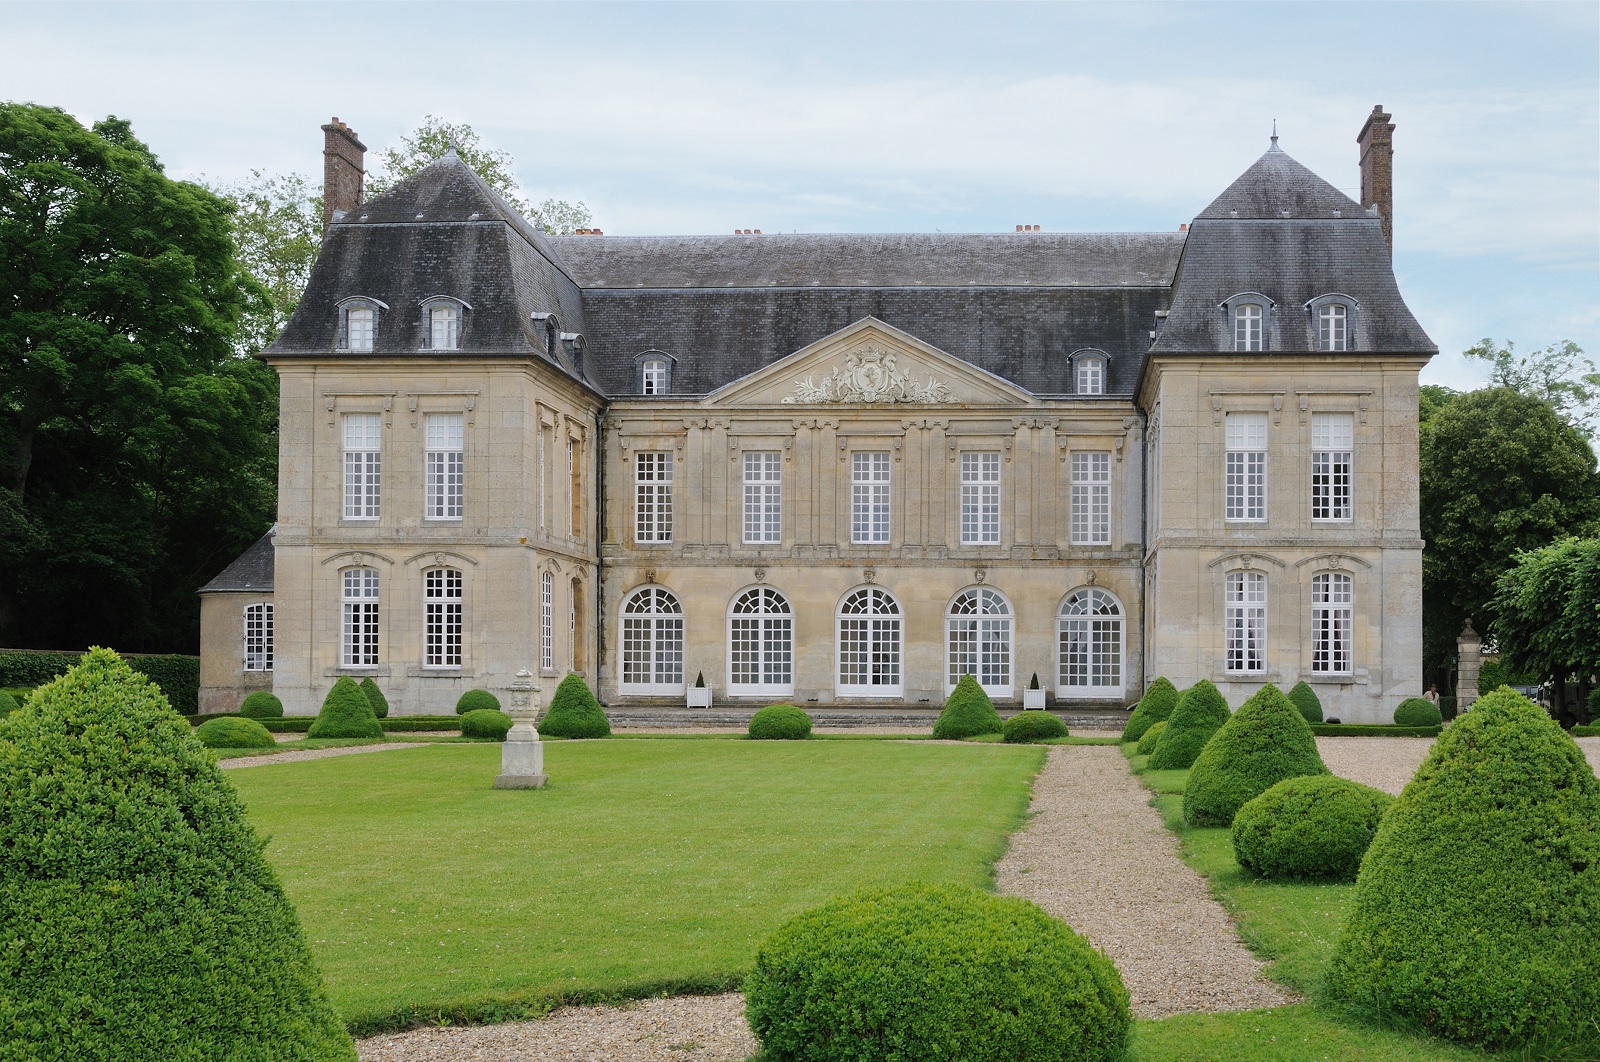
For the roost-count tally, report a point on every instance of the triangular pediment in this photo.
(870, 363)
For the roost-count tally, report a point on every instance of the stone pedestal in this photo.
(1470, 659)
(522, 755)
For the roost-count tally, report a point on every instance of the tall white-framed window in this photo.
(1091, 497)
(1246, 472)
(763, 497)
(1332, 595)
(547, 621)
(258, 637)
(760, 644)
(441, 599)
(359, 636)
(869, 497)
(446, 441)
(977, 630)
(1247, 322)
(1089, 637)
(1333, 327)
(980, 498)
(444, 326)
(360, 327)
(1245, 621)
(869, 650)
(1332, 443)
(652, 496)
(655, 376)
(652, 642)
(1091, 376)
(363, 465)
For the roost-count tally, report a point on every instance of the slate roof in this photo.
(1276, 183)
(251, 570)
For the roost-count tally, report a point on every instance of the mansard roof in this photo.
(1276, 183)
(252, 570)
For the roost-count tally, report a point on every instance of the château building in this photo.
(840, 469)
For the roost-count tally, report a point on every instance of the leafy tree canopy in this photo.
(1547, 618)
(277, 229)
(1558, 375)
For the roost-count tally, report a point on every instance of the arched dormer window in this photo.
(1248, 318)
(1089, 372)
(552, 331)
(358, 322)
(1332, 320)
(655, 372)
(443, 319)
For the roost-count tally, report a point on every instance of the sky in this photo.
(910, 117)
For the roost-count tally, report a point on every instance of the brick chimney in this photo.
(1377, 169)
(343, 173)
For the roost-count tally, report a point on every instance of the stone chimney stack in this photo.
(343, 172)
(1377, 169)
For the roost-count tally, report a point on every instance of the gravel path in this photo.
(1389, 763)
(1096, 855)
(317, 754)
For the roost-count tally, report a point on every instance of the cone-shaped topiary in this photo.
(1316, 826)
(1200, 713)
(574, 713)
(780, 722)
(140, 917)
(1266, 741)
(1159, 699)
(346, 713)
(261, 705)
(477, 700)
(1147, 744)
(375, 697)
(1477, 912)
(1417, 711)
(486, 723)
(1026, 727)
(1305, 699)
(923, 971)
(967, 712)
(233, 733)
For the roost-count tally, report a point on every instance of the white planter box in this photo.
(1033, 699)
(699, 696)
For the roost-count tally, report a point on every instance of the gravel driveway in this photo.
(1389, 763)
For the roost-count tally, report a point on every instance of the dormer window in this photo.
(1089, 373)
(358, 323)
(443, 318)
(655, 373)
(1247, 327)
(1332, 317)
(1248, 318)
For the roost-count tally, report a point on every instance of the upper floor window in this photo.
(574, 489)
(358, 323)
(359, 635)
(653, 497)
(655, 374)
(1091, 497)
(869, 497)
(363, 465)
(445, 461)
(980, 498)
(258, 637)
(763, 497)
(1332, 442)
(1332, 327)
(1246, 471)
(442, 607)
(442, 319)
(1091, 375)
(1247, 322)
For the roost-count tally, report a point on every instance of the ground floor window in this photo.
(442, 608)
(652, 642)
(978, 641)
(359, 643)
(1090, 639)
(869, 644)
(760, 644)
(1331, 597)
(258, 637)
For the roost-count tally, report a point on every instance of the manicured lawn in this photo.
(644, 865)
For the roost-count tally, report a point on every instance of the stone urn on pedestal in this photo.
(522, 755)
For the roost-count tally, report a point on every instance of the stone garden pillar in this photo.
(1470, 649)
(522, 755)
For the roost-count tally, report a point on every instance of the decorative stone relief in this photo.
(867, 375)
(761, 575)
(869, 574)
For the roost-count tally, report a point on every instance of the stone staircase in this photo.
(676, 717)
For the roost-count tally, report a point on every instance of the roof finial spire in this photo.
(1274, 132)
(452, 148)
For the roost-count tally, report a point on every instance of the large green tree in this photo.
(277, 231)
(136, 446)
(1547, 619)
(1558, 375)
(1501, 472)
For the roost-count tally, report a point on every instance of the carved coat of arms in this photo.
(868, 375)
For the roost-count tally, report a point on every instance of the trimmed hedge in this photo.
(1417, 711)
(1305, 698)
(1159, 699)
(177, 676)
(1477, 911)
(8, 703)
(141, 918)
(261, 705)
(1266, 741)
(346, 713)
(477, 700)
(1447, 706)
(1372, 730)
(1026, 727)
(1315, 826)
(1200, 713)
(1586, 731)
(780, 722)
(574, 712)
(234, 734)
(967, 712)
(1147, 744)
(485, 723)
(923, 971)
(375, 697)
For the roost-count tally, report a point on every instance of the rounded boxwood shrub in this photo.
(1417, 711)
(780, 722)
(485, 723)
(477, 700)
(933, 971)
(234, 734)
(375, 697)
(1315, 826)
(1147, 744)
(1477, 911)
(1305, 698)
(1024, 727)
(1201, 712)
(1159, 699)
(8, 703)
(574, 712)
(261, 704)
(967, 712)
(1266, 741)
(141, 918)
(346, 713)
